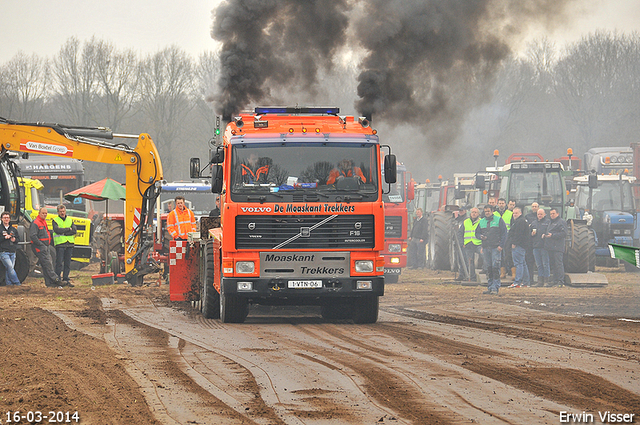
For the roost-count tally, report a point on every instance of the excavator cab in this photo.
(9, 188)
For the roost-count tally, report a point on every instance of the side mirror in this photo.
(218, 156)
(390, 168)
(216, 179)
(569, 185)
(458, 194)
(593, 181)
(411, 191)
(194, 168)
(479, 182)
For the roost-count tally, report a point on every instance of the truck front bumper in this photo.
(302, 291)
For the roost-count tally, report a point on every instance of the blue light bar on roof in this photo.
(296, 110)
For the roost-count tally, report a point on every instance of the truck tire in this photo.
(391, 278)
(233, 309)
(336, 311)
(365, 309)
(440, 240)
(210, 298)
(579, 250)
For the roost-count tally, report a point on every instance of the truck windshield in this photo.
(610, 195)
(396, 195)
(198, 198)
(526, 187)
(283, 171)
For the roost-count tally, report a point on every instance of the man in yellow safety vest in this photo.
(64, 231)
(472, 245)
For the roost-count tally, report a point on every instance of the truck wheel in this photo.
(210, 298)
(391, 278)
(114, 263)
(336, 311)
(365, 309)
(440, 239)
(582, 244)
(233, 309)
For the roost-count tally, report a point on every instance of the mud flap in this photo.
(184, 271)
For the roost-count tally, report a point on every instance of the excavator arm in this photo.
(142, 166)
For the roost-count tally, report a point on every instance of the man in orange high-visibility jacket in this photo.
(181, 220)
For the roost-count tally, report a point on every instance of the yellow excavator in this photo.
(143, 176)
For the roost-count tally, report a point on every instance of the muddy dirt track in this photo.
(440, 354)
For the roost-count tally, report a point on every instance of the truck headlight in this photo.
(395, 247)
(245, 286)
(245, 267)
(364, 266)
(395, 260)
(364, 285)
(616, 231)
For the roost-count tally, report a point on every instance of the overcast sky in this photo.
(43, 26)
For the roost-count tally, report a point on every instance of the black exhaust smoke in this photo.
(282, 42)
(423, 60)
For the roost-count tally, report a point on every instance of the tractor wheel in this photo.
(440, 240)
(22, 265)
(592, 251)
(210, 299)
(580, 247)
(113, 232)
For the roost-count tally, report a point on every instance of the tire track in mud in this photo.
(568, 386)
(305, 402)
(552, 335)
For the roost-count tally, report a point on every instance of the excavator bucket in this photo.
(585, 280)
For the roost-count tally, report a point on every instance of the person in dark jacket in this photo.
(40, 243)
(539, 228)
(530, 259)
(519, 238)
(418, 242)
(64, 231)
(554, 244)
(493, 233)
(8, 245)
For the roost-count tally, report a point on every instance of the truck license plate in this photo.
(304, 284)
(391, 271)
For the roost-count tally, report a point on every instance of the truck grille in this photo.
(298, 232)
(393, 227)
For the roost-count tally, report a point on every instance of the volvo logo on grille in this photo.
(358, 225)
(305, 232)
(252, 226)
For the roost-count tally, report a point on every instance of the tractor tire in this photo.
(365, 309)
(113, 231)
(210, 299)
(440, 240)
(592, 251)
(579, 249)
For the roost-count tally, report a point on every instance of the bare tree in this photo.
(76, 80)
(167, 98)
(598, 82)
(118, 75)
(24, 86)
